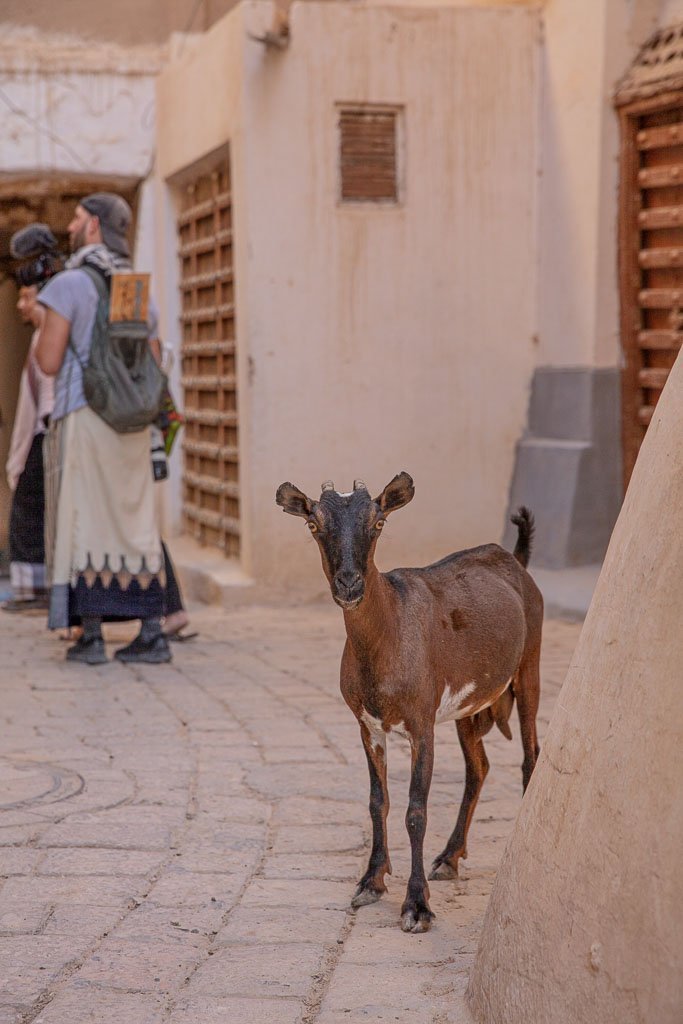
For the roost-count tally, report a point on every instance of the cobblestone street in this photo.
(180, 844)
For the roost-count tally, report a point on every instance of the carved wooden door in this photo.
(651, 231)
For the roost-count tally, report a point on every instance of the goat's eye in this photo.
(379, 524)
(312, 527)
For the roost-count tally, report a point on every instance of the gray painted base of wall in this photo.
(568, 465)
(567, 593)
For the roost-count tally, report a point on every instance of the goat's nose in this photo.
(348, 579)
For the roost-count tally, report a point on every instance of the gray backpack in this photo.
(122, 381)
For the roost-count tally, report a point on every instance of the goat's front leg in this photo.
(371, 885)
(416, 915)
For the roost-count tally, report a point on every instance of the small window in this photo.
(368, 154)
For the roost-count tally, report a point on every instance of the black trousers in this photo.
(27, 518)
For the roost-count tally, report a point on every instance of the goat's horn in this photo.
(359, 485)
(327, 486)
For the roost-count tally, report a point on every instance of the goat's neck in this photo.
(370, 624)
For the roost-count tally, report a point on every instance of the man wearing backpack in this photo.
(102, 544)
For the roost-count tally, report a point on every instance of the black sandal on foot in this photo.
(150, 652)
(178, 637)
(91, 652)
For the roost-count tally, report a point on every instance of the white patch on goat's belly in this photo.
(451, 701)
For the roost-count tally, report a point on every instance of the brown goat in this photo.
(458, 640)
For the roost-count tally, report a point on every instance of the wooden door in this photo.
(651, 233)
(211, 466)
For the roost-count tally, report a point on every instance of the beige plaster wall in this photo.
(127, 21)
(374, 339)
(578, 312)
(130, 23)
(672, 12)
(199, 97)
(587, 47)
(584, 923)
(472, 4)
(162, 260)
(385, 339)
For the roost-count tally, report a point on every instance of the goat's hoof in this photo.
(364, 897)
(442, 871)
(416, 919)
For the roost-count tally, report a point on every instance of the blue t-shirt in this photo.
(74, 296)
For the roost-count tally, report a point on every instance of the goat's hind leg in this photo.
(527, 694)
(476, 768)
(371, 885)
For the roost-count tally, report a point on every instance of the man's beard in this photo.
(78, 239)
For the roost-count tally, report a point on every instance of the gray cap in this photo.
(34, 240)
(114, 215)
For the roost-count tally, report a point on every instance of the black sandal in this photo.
(178, 637)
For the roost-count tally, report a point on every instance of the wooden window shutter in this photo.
(211, 500)
(368, 154)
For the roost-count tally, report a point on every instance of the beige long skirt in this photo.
(103, 550)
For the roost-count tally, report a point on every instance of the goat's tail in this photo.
(524, 521)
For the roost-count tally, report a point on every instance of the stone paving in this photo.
(179, 844)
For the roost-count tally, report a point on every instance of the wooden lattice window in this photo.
(369, 154)
(651, 230)
(211, 501)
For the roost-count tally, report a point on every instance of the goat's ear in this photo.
(293, 501)
(397, 493)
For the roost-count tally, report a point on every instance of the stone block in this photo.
(183, 888)
(20, 915)
(335, 867)
(277, 970)
(254, 924)
(285, 892)
(226, 1009)
(78, 1004)
(80, 861)
(318, 838)
(145, 966)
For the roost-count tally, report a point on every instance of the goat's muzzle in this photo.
(348, 589)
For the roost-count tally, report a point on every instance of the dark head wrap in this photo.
(34, 240)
